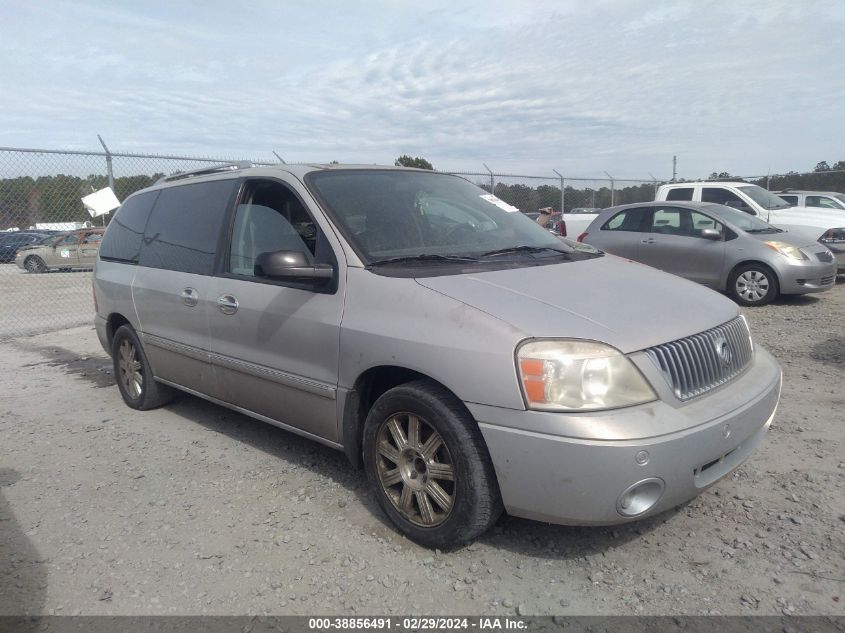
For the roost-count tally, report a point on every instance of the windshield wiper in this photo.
(523, 249)
(768, 230)
(425, 257)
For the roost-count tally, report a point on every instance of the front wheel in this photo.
(753, 285)
(35, 265)
(429, 467)
(133, 374)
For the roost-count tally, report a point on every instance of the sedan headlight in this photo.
(832, 236)
(575, 375)
(787, 250)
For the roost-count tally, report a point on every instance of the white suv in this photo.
(825, 225)
(813, 199)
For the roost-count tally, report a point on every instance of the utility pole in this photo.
(674, 168)
(655, 184)
(108, 162)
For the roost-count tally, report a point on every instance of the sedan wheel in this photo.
(415, 470)
(35, 265)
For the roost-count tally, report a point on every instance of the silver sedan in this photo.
(717, 246)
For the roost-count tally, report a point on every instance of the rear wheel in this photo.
(133, 374)
(35, 264)
(753, 285)
(429, 467)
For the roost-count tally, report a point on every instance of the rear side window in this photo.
(122, 241)
(791, 200)
(184, 228)
(680, 193)
(627, 220)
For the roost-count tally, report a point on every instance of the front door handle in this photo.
(190, 297)
(648, 240)
(227, 304)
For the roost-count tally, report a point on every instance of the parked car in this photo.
(575, 221)
(827, 224)
(720, 247)
(813, 199)
(469, 360)
(10, 243)
(65, 251)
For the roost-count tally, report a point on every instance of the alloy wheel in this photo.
(131, 374)
(415, 469)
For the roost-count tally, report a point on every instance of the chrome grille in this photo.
(696, 364)
(826, 281)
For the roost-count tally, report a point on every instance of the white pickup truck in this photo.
(825, 225)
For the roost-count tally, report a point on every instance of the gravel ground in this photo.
(194, 509)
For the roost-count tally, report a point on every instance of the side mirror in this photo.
(291, 266)
(711, 234)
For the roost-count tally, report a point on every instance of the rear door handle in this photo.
(190, 297)
(227, 304)
(648, 240)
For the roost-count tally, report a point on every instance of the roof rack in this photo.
(179, 175)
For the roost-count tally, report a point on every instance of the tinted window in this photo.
(70, 240)
(122, 240)
(792, 200)
(680, 193)
(717, 195)
(627, 220)
(185, 225)
(93, 238)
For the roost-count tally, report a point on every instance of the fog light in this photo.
(640, 497)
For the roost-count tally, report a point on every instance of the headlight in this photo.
(833, 235)
(787, 250)
(579, 376)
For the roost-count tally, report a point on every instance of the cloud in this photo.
(608, 86)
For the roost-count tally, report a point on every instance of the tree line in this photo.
(25, 201)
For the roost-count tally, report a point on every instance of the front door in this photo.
(65, 252)
(275, 344)
(675, 244)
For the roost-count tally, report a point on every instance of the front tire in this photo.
(753, 285)
(133, 374)
(428, 465)
(34, 264)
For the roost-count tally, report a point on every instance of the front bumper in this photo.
(807, 277)
(575, 480)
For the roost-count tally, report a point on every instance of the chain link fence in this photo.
(48, 241)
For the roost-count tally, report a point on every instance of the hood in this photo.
(609, 299)
(803, 236)
(814, 218)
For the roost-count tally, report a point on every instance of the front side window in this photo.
(627, 220)
(823, 202)
(719, 195)
(431, 218)
(682, 222)
(792, 201)
(93, 238)
(124, 235)
(70, 240)
(185, 226)
(270, 218)
(741, 220)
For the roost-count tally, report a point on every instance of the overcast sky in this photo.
(740, 86)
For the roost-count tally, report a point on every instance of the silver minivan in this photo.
(466, 358)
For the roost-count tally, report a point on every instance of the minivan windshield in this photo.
(740, 219)
(429, 219)
(764, 198)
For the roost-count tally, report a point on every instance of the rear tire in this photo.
(133, 374)
(753, 285)
(428, 465)
(34, 264)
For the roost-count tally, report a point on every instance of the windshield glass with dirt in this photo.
(397, 217)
